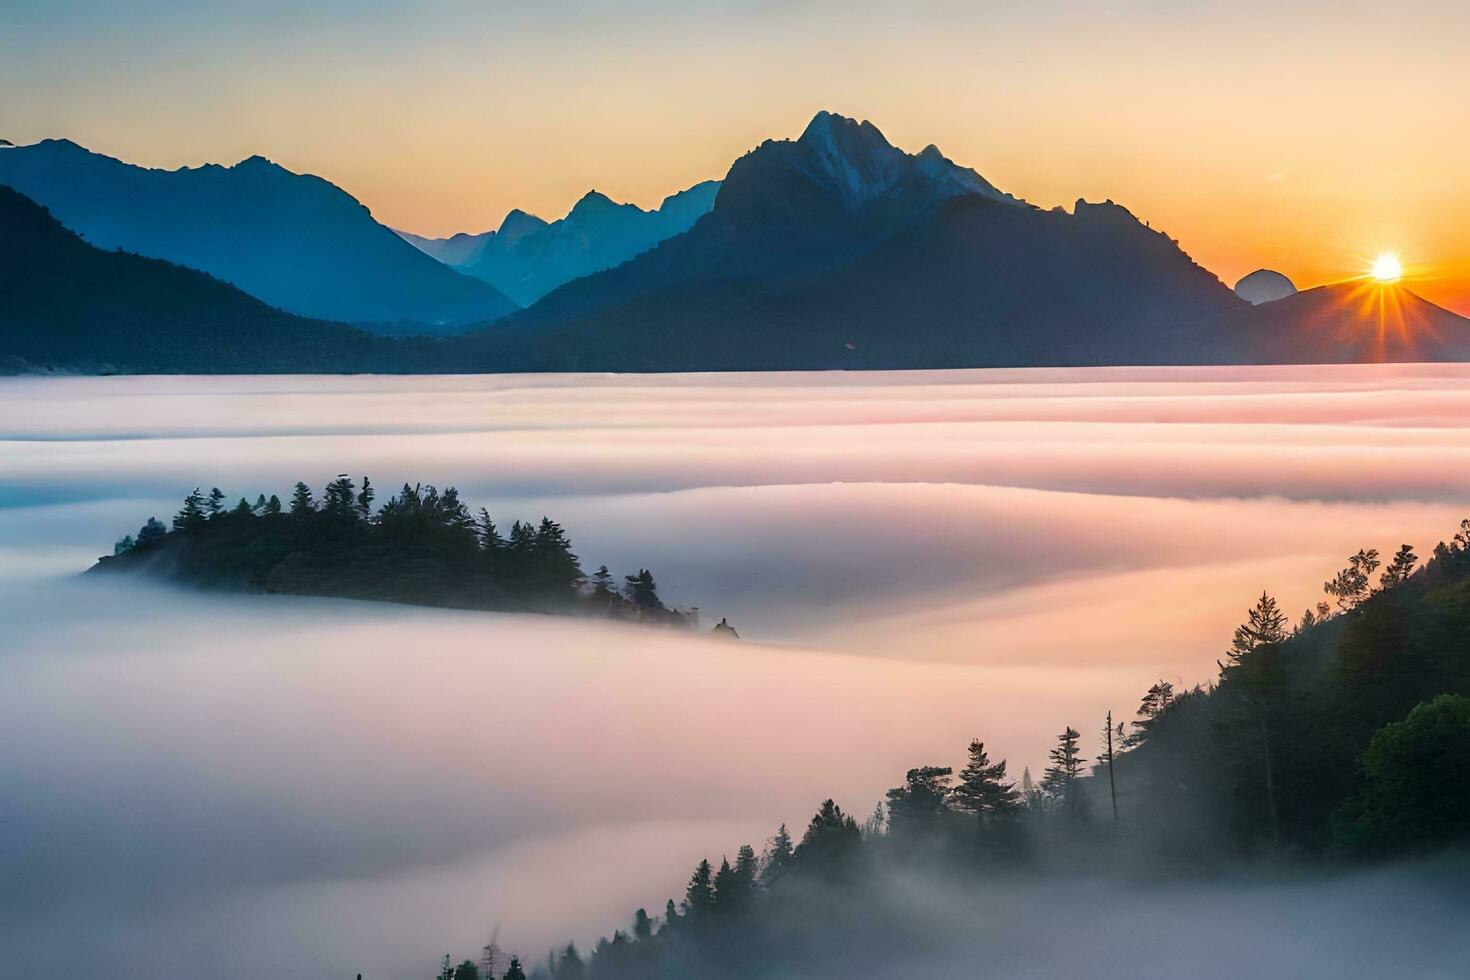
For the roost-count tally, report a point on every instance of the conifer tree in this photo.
(1265, 624)
(214, 505)
(642, 925)
(487, 533)
(982, 788)
(724, 884)
(699, 894)
(124, 545)
(273, 505)
(340, 497)
(1156, 701)
(365, 499)
(1399, 569)
(514, 972)
(301, 499)
(1349, 587)
(641, 591)
(1060, 778)
(151, 531)
(193, 516)
(777, 858)
(747, 869)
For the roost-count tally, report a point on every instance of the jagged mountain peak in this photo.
(518, 224)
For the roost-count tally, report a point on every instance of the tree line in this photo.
(421, 545)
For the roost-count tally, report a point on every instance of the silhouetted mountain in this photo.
(527, 257)
(73, 307)
(295, 241)
(1264, 286)
(1352, 322)
(839, 250)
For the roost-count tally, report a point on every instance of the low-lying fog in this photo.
(290, 787)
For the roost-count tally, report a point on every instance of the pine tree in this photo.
(725, 886)
(641, 591)
(747, 872)
(1265, 624)
(777, 858)
(642, 925)
(1060, 779)
(152, 531)
(192, 517)
(124, 545)
(259, 505)
(301, 500)
(340, 497)
(215, 504)
(514, 972)
(1349, 587)
(1399, 569)
(830, 836)
(1155, 702)
(273, 505)
(365, 499)
(243, 509)
(920, 800)
(1030, 794)
(699, 894)
(671, 916)
(982, 788)
(487, 533)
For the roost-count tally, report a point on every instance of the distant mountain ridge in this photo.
(527, 257)
(838, 249)
(833, 250)
(70, 306)
(295, 241)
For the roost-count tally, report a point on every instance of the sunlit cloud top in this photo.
(1292, 136)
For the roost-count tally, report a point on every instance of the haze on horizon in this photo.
(1284, 136)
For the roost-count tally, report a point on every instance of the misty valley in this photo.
(1036, 676)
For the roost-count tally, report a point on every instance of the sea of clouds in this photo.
(294, 787)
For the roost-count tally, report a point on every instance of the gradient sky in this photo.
(1305, 137)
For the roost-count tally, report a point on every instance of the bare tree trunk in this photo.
(1112, 784)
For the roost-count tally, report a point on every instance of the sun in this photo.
(1387, 268)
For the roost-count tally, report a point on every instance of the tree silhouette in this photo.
(301, 499)
(982, 788)
(1265, 624)
(1060, 779)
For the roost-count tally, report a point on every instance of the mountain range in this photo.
(527, 257)
(832, 250)
(295, 241)
(71, 306)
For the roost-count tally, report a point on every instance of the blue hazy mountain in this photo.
(295, 241)
(70, 306)
(838, 249)
(527, 257)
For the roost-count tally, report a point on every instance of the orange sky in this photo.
(1305, 137)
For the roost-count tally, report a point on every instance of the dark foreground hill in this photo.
(293, 240)
(70, 306)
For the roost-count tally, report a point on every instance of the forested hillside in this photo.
(1339, 739)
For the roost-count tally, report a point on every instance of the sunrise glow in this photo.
(1387, 268)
